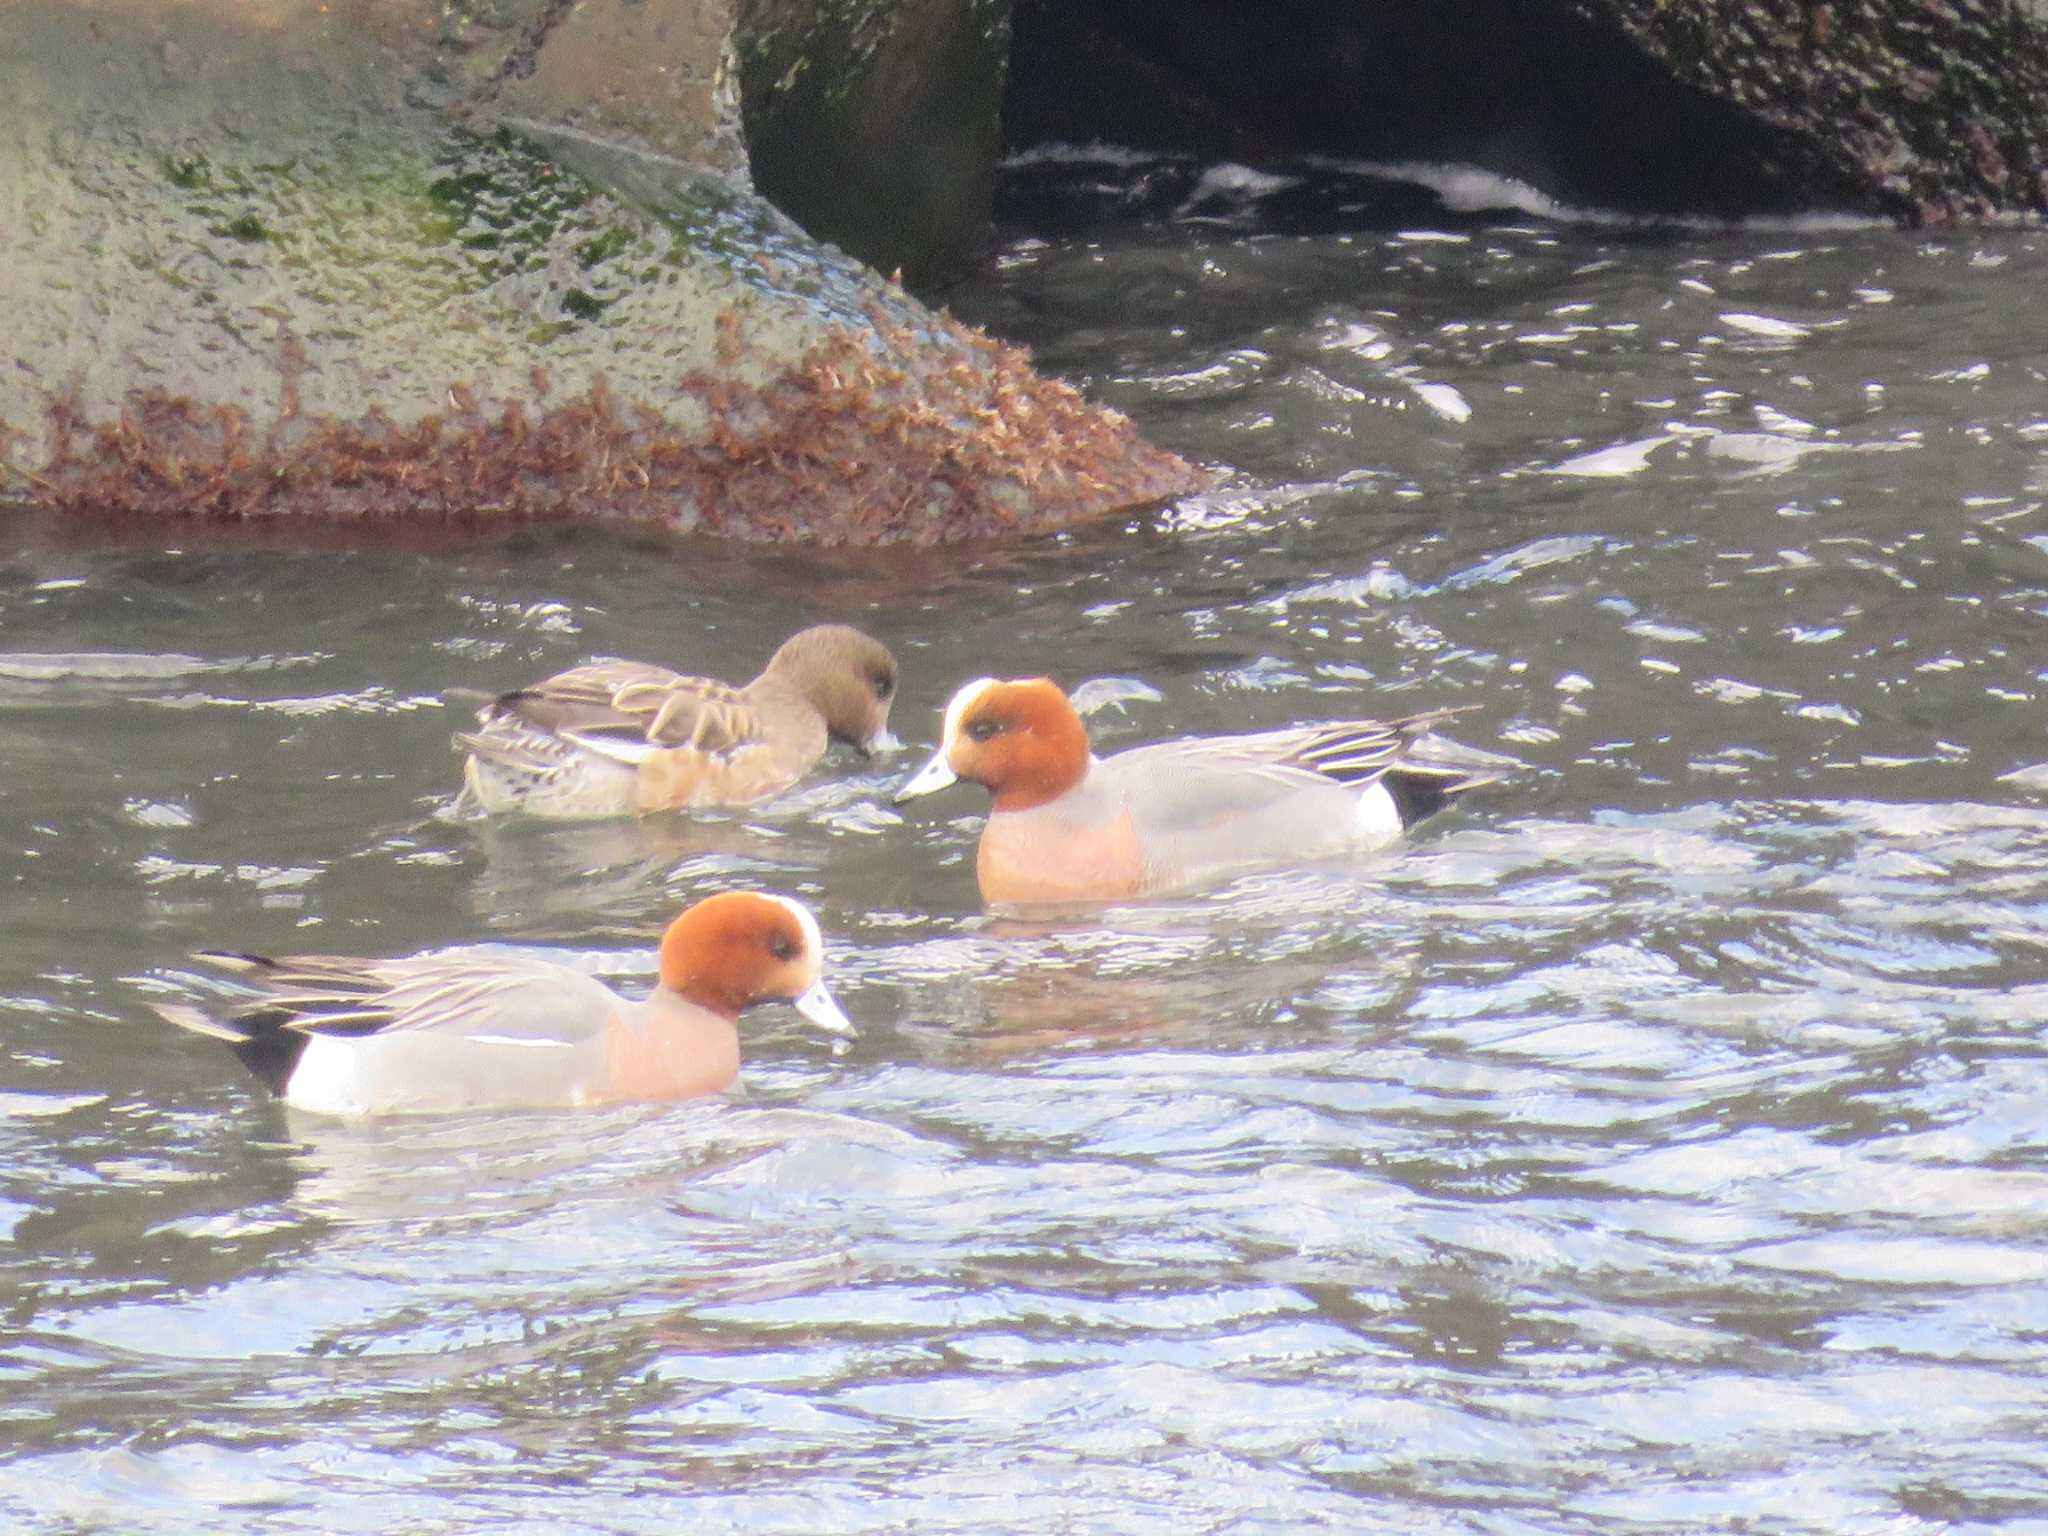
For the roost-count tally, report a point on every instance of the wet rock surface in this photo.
(876, 124)
(1919, 110)
(1938, 108)
(503, 259)
(652, 71)
(299, 260)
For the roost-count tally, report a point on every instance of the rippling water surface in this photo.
(1655, 1143)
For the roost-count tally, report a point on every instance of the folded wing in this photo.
(623, 710)
(510, 996)
(1213, 779)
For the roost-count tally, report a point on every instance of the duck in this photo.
(488, 1030)
(619, 738)
(1067, 827)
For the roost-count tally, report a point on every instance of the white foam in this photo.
(1231, 181)
(1095, 152)
(1461, 188)
(1471, 189)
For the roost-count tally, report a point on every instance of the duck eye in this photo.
(982, 730)
(782, 947)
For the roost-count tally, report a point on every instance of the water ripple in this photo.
(1657, 1142)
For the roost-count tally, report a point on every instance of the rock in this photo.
(876, 124)
(361, 259)
(1937, 110)
(1918, 110)
(654, 71)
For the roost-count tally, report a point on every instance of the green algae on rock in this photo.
(265, 273)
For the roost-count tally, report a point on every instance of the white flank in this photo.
(1379, 819)
(325, 1078)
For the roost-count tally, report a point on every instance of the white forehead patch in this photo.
(813, 940)
(961, 702)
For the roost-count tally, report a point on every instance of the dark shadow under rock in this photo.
(1917, 111)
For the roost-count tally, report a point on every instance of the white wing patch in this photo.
(1379, 818)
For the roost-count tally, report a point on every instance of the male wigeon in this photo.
(495, 1031)
(617, 737)
(1067, 826)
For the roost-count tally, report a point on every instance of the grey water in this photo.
(1657, 1142)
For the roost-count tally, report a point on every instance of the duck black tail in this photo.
(259, 1039)
(1420, 792)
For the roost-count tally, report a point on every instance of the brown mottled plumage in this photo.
(616, 737)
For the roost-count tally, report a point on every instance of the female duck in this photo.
(495, 1031)
(1067, 826)
(617, 737)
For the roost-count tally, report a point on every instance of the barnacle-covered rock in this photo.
(1924, 111)
(378, 259)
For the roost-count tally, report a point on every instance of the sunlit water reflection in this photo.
(1655, 1143)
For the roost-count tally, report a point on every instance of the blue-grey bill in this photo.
(934, 775)
(816, 1004)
